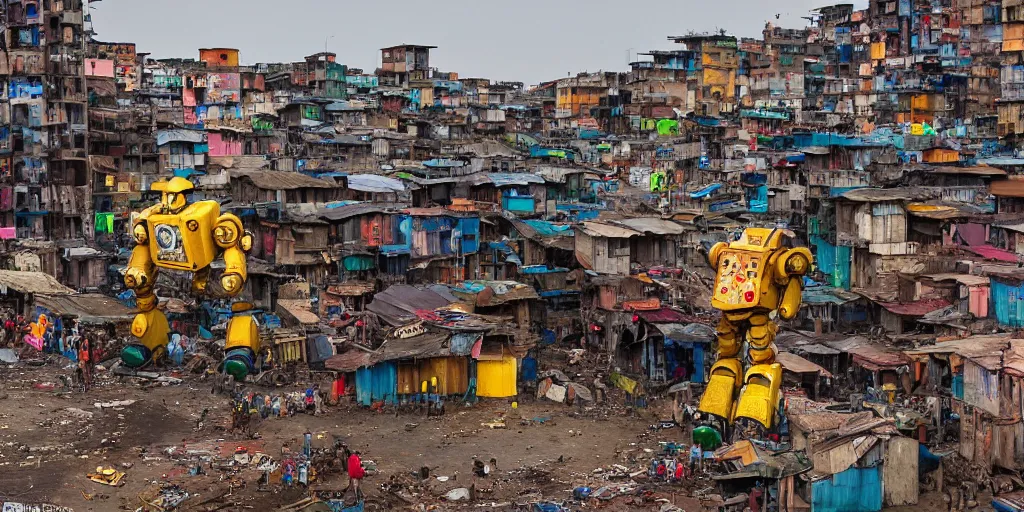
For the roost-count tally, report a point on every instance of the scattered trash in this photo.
(113, 405)
(459, 494)
(107, 476)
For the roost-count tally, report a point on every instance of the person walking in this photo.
(355, 473)
(85, 363)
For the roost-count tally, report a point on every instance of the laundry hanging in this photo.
(104, 222)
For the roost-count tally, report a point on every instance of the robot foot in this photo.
(759, 398)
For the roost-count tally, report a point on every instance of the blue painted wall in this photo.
(1008, 300)
(379, 382)
(853, 490)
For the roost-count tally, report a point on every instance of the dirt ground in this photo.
(51, 438)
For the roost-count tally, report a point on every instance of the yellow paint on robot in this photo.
(755, 276)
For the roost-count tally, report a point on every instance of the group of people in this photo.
(673, 467)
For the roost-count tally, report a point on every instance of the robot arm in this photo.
(790, 268)
(236, 242)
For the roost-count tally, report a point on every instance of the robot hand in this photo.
(136, 278)
(232, 283)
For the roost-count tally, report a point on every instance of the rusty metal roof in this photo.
(281, 180)
(87, 308)
(797, 364)
(1012, 187)
(599, 229)
(916, 308)
(32, 282)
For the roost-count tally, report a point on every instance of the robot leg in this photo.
(726, 374)
(242, 344)
(151, 328)
(759, 398)
(150, 324)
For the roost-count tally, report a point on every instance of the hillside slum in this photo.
(455, 273)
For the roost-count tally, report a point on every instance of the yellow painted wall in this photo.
(583, 99)
(496, 379)
(878, 51)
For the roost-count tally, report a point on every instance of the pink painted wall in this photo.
(103, 67)
(221, 147)
(979, 301)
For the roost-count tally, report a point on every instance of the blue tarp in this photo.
(504, 179)
(545, 228)
(541, 269)
(833, 261)
(706, 191)
(853, 490)
(376, 383)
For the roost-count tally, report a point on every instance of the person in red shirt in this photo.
(85, 363)
(355, 473)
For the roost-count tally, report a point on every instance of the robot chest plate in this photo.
(178, 242)
(739, 276)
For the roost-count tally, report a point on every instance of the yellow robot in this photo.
(757, 277)
(183, 236)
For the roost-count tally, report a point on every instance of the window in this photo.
(618, 247)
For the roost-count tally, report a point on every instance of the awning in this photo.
(87, 308)
(797, 364)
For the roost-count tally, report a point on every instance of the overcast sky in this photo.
(526, 40)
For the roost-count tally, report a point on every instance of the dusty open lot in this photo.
(50, 439)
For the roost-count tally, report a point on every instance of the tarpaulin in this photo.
(624, 383)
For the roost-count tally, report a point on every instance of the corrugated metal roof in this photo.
(355, 209)
(607, 230)
(697, 333)
(1012, 187)
(874, 195)
(374, 183)
(88, 308)
(32, 282)
(653, 225)
(299, 309)
(430, 344)
(865, 350)
(966, 347)
(349, 361)
(824, 421)
(978, 170)
(281, 180)
(1013, 358)
(557, 174)
(399, 303)
(797, 364)
(964, 279)
(504, 179)
(992, 253)
(917, 308)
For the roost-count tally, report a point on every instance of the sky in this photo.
(525, 41)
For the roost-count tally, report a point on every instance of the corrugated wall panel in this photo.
(834, 261)
(496, 379)
(1008, 300)
(376, 383)
(853, 490)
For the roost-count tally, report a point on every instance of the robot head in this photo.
(175, 193)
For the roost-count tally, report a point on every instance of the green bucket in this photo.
(134, 356)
